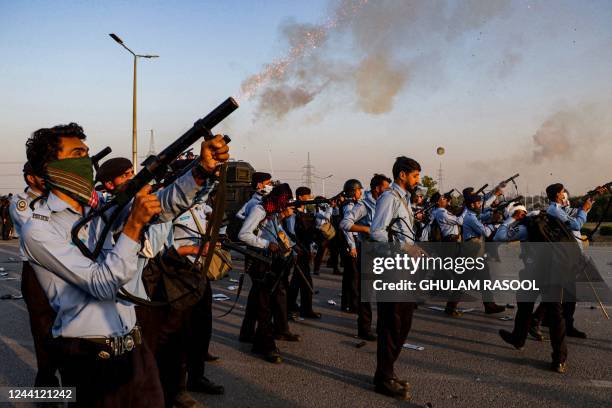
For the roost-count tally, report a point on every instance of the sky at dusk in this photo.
(505, 87)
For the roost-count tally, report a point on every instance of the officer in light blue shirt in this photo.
(511, 229)
(393, 220)
(262, 229)
(449, 223)
(83, 292)
(262, 184)
(358, 221)
(473, 228)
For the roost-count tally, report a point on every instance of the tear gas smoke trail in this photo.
(311, 39)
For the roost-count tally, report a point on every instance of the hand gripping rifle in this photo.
(591, 195)
(153, 167)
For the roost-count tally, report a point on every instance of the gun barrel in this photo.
(299, 203)
(95, 159)
(481, 189)
(509, 179)
(607, 186)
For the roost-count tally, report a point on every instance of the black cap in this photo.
(472, 198)
(113, 168)
(259, 177)
(302, 191)
(467, 191)
(553, 190)
(351, 185)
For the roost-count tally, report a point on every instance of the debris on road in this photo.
(11, 297)
(360, 344)
(505, 318)
(233, 280)
(232, 287)
(331, 302)
(413, 347)
(7, 278)
(220, 297)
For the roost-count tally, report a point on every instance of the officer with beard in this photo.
(394, 221)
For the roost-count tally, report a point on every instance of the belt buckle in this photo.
(128, 343)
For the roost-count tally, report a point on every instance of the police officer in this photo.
(574, 219)
(359, 221)
(262, 184)
(514, 229)
(301, 228)
(393, 220)
(95, 334)
(353, 191)
(262, 229)
(40, 312)
(474, 233)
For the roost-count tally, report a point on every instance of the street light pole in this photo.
(134, 121)
(134, 131)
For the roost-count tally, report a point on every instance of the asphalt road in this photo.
(464, 363)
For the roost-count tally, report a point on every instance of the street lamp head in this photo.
(114, 37)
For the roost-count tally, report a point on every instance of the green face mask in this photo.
(74, 177)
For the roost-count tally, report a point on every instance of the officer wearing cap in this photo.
(263, 231)
(353, 191)
(262, 184)
(474, 232)
(574, 218)
(359, 221)
(514, 229)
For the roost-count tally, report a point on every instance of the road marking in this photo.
(21, 352)
(602, 383)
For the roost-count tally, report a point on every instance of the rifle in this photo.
(95, 159)
(299, 203)
(481, 189)
(501, 206)
(430, 206)
(229, 245)
(510, 179)
(595, 192)
(153, 167)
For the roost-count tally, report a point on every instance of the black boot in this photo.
(509, 338)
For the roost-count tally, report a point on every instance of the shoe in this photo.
(574, 332)
(393, 389)
(184, 400)
(453, 312)
(536, 333)
(288, 337)
(273, 356)
(210, 358)
(369, 336)
(206, 386)
(492, 308)
(311, 315)
(560, 368)
(245, 339)
(403, 383)
(509, 338)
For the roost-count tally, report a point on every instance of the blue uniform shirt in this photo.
(248, 206)
(449, 223)
(361, 214)
(260, 229)
(511, 230)
(83, 292)
(393, 210)
(473, 227)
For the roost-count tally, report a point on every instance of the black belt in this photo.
(118, 345)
